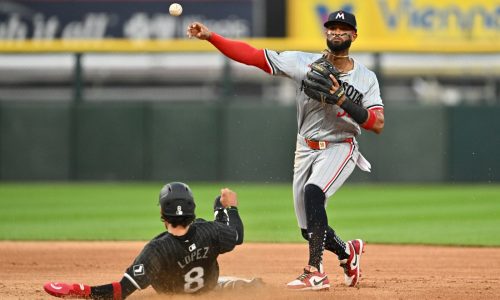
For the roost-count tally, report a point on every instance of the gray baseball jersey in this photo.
(330, 167)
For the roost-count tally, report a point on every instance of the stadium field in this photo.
(466, 215)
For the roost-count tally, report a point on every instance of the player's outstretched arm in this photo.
(236, 50)
(226, 212)
(115, 290)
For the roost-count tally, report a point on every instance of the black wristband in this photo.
(357, 113)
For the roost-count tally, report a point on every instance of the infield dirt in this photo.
(389, 271)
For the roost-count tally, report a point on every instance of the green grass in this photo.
(408, 214)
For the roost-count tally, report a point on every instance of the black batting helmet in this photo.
(176, 199)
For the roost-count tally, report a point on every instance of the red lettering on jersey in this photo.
(341, 114)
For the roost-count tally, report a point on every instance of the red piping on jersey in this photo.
(117, 291)
(344, 163)
(241, 52)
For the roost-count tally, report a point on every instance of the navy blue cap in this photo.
(341, 16)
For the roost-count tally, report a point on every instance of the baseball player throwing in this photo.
(336, 96)
(180, 260)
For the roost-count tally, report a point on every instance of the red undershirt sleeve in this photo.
(372, 118)
(241, 52)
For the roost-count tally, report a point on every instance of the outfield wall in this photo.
(232, 142)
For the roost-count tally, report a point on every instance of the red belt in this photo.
(320, 145)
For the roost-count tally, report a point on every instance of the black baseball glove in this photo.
(318, 83)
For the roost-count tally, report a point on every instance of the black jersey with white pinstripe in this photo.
(183, 264)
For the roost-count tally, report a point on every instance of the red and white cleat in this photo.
(351, 265)
(311, 279)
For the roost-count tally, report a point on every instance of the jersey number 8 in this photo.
(194, 280)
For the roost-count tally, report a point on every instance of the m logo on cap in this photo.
(179, 211)
(340, 15)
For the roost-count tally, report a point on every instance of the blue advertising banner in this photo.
(120, 19)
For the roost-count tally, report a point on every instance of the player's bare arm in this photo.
(198, 30)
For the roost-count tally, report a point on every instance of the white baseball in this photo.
(175, 9)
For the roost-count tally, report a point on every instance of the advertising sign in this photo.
(119, 19)
(411, 25)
